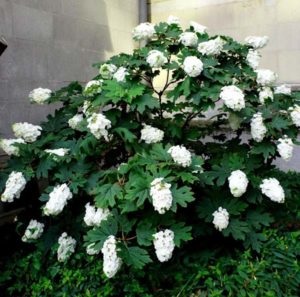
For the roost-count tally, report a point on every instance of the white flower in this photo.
(76, 120)
(26, 131)
(107, 70)
(238, 183)
(61, 152)
(253, 58)
(66, 247)
(192, 66)
(14, 185)
(173, 20)
(265, 77)
(265, 93)
(211, 47)
(8, 146)
(156, 59)
(33, 231)
(58, 199)
(39, 95)
(93, 87)
(233, 97)
(164, 244)
(151, 134)
(188, 39)
(257, 41)
(87, 107)
(180, 155)
(272, 189)
(221, 218)
(285, 148)
(198, 27)
(120, 74)
(143, 31)
(90, 250)
(295, 114)
(283, 89)
(111, 261)
(161, 195)
(98, 125)
(258, 128)
(94, 216)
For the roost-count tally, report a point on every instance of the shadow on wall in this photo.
(50, 43)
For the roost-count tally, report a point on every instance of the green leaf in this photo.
(181, 196)
(144, 232)
(238, 229)
(137, 189)
(135, 256)
(127, 135)
(255, 241)
(107, 194)
(44, 167)
(181, 233)
(147, 101)
(265, 148)
(258, 218)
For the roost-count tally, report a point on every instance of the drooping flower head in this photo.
(164, 244)
(161, 195)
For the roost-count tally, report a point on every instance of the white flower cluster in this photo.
(93, 87)
(58, 199)
(253, 58)
(265, 77)
(90, 250)
(198, 27)
(94, 216)
(221, 219)
(33, 231)
(66, 247)
(111, 261)
(120, 74)
(164, 244)
(233, 97)
(272, 189)
(257, 41)
(258, 128)
(151, 134)
(285, 148)
(61, 152)
(107, 70)
(75, 121)
(161, 195)
(212, 47)
(295, 114)
(8, 146)
(173, 20)
(26, 131)
(143, 31)
(192, 66)
(188, 39)
(156, 59)
(265, 93)
(98, 125)
(14, 185)
(180, 155)
(238, 183)
(39, 95)
(283, 89)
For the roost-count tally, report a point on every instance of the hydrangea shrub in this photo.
(131, 171)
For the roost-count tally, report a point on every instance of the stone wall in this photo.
(279, 19)
(53, 42)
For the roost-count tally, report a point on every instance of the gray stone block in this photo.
(5, 18)
(32, 24)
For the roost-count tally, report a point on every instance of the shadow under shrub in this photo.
(275, 272)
